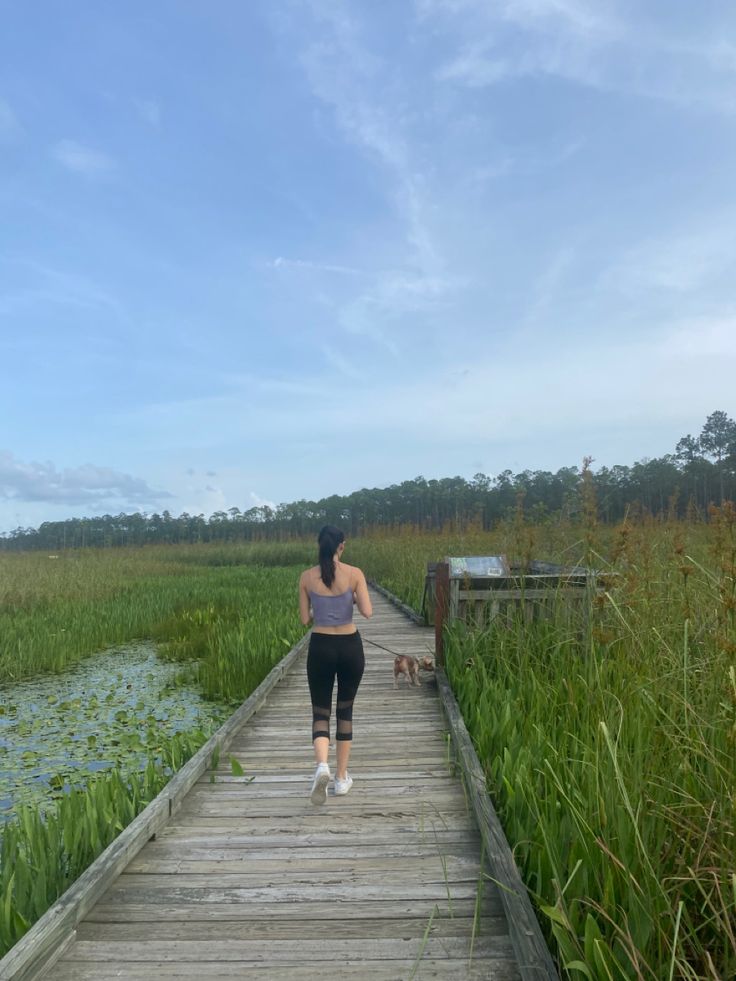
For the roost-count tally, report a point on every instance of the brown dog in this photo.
(411, 666)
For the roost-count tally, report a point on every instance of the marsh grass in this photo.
(43, 851)
(54, 612)
(609, 739)
(228, 621)
(609, 736)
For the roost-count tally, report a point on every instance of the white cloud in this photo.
(531, 392)
(281, 263)
(702, 339)
(89, 485)
(681, 262)
(82, 159)
(587, 43)
(256, 501)
(369, 102)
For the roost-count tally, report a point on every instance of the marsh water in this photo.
(113, 708)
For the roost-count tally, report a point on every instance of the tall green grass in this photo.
(609, 743)
(55, 611)
(234, 621)
(42, 852)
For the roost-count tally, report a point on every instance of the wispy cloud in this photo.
(681, 262)
(88, 485)
(257, 501)
(281, 263)
(48, 284)
(703, 339)
(370, 105)
(381, 313)
(587, 43)
(376, 112)
(615, 380)
(526, 162)
(84, 160)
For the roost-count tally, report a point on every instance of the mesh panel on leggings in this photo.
(320, 722)
(344, 719)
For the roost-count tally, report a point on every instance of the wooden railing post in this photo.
(441, 607)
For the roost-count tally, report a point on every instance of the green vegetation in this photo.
(610, 743)
(202, 603)
(113, 709)
(43, 851)
(227, 622)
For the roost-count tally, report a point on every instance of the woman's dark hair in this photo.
(329, 538)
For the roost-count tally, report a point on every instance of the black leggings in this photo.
(331, 655)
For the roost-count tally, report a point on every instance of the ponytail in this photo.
(329, 538)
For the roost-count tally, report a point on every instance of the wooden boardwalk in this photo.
(250, 879)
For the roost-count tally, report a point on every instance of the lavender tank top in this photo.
(332, 611)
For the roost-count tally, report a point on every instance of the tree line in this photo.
(700, 471)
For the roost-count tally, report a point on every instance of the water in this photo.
(111, 709)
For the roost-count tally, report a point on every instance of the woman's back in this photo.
(345, 576)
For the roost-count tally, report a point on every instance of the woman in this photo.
(335, 650)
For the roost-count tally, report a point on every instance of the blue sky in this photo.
(260, 251)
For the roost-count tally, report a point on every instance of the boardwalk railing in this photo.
(49, 936)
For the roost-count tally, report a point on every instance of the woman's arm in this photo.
(304, 612)
(362, 597)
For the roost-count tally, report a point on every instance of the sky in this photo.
(254, 252)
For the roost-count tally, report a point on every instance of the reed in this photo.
(228, 621)
(42, 851)
(56, 611)
(609, 742)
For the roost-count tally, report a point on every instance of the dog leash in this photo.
(388, 649)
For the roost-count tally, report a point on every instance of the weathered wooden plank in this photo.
(289, 927)
(496, 947)
(446, 969)
(408, 852)
(318, 910)
(327, 820)
(449, 868)
(170, 890)
(407, 610)
(532, 954)
(390, 791)
(179, 836)
(339, 809)
(266, 776)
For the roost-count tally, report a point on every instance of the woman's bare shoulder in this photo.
(353, 571)
(308, 575)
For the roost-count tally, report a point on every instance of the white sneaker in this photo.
(343, 786)
(319, 784)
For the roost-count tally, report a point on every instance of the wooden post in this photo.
(442, 600)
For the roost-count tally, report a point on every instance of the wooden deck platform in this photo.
(250, 879)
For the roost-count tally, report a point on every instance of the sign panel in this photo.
(478, 566)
